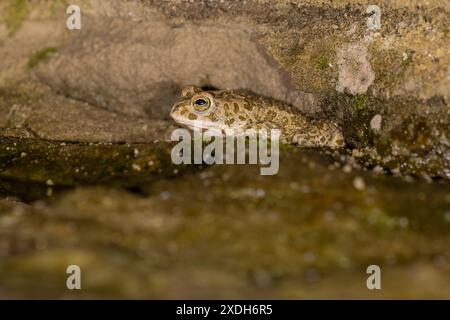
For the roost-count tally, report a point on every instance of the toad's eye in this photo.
(202, 104)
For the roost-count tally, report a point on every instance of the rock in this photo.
(140, 69)
(359, 183)
(375, 122)
(32, 110)
(226, 241)
(86, 176)
(355, 72)
(122, 71)
(131, 59)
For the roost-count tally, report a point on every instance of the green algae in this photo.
(56, 6)
(360, 102)
(64, 164)
(245, 235)
(40, 56)
(16, 12)
(321, 61)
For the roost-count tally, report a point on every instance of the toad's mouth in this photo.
(199, 124)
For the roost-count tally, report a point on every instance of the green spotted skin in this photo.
(237, 109)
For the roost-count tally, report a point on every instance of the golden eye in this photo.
(202, 104)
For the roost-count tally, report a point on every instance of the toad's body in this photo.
(233, 109)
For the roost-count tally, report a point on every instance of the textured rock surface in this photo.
(227, 232)
(31, 109)
(86, 176)
(355, 72)
(131, 58)
(139, 68)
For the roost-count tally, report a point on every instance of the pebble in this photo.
(359, 184)
(375, 123)
(260, 193)
(347, 168)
